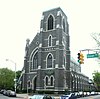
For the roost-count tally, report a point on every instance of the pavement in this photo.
(22, 96)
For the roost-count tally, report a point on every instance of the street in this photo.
(91, 97)
(19, 96)
(5, 97)
(24, 96)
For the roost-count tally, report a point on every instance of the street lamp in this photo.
(15, 73)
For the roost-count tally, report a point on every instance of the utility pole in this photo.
(15, 84)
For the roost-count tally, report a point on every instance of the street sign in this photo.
(95, 55)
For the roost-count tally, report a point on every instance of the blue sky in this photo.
(20, 19)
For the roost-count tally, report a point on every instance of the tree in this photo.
(96, 78)
(96, 37)
(18, 73)
(6, 78)
(96, 74)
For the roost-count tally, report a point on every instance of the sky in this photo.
(20, 19)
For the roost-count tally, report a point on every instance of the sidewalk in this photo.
(22, 96)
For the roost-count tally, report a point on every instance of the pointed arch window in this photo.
(35, 61)
(46, 81)
(64, 25)
(49, 61)
(29, 84)
(50, 22)
(51, 81)
(64, 62)
(50, 41)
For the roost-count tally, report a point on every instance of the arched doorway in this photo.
(34, 83)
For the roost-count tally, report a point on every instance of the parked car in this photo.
(69, 96)
(88, 93)
(11, 93)
(81, 94)
(77, 94)
(41, 97)
(84, 94)
(2, 91)
(5, 92)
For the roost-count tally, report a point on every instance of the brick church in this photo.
(48, 65)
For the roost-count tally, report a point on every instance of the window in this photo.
(50, 22)
(46, 81)
(64, 25)
(28, 83)
(49, 61)
(64, 62)
(50, 40)
(51, 81)
(35, 61)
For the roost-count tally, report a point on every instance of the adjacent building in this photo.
(48, 65)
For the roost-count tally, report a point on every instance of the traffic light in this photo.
(80, 58)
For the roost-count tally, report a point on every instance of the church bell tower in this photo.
(54, 50)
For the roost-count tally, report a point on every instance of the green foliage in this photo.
(6, 78)
(96, 37)
(18, 73)
(96, 78)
